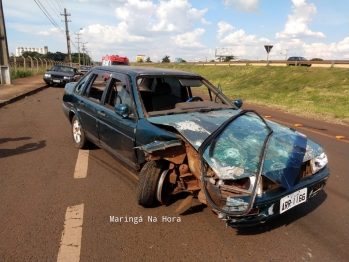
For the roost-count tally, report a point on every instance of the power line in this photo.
(63, 4)
(59, 4)
(49, 17)
(52, 7)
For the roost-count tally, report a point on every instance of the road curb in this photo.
(21, 96)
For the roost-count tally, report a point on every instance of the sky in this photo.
(194, 30)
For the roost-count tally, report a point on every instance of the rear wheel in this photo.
(147, 183)
(79, 138)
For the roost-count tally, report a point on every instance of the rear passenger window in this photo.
(96, 87)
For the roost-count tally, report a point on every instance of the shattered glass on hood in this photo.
(237, 150)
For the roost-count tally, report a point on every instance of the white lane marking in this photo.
(69, 250)
(81, 164)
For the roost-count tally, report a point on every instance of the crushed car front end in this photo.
(246, 168)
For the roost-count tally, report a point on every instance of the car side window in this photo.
(95, 87)
(80, 85)
(118, 94)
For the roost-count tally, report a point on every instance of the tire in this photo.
(78, 134)
(147, 183)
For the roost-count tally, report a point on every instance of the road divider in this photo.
(81, 164)
(70, 246)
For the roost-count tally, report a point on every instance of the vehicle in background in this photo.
(84, 69)
(60, 75)
(181, 134)
(115, 60)
(298, 60)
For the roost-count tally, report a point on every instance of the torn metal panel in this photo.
(195, 127)
(160, 145)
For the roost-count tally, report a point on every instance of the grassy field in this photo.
(320, 93)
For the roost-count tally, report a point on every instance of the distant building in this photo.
(140, 58)
(40, 50)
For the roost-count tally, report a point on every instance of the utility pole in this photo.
(67, 34)
(84, 50)
(4, 57)
(78, 38)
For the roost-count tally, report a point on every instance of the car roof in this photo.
(142, 70)
(65, 66)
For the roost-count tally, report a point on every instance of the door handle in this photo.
(80, 102)
(101, 113)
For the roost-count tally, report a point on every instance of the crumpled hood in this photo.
(236, 152)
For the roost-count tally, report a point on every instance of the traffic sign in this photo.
(268, 48)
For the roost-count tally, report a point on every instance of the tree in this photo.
(32, 54)
(148, 60)
(228, 58)
(316, 59)
(166, 59)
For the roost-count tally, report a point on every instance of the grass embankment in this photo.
(315, 92)
(19, 73)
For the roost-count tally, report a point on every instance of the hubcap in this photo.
(77, 131)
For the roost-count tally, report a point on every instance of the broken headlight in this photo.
(319, 162)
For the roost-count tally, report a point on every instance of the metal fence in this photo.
(29, 63)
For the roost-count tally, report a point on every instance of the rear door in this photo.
(89, 103)
(117, 133)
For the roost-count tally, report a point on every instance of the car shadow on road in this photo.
(6, 152)
(287, 218)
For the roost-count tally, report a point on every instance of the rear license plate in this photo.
(56, 81)
(293, 200)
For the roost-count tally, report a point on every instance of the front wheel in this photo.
(147, 183)
(79, 138)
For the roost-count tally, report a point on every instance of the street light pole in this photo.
(286, 54)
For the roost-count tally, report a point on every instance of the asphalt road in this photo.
(37, 167)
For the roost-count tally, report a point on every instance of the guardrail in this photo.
(324, 63)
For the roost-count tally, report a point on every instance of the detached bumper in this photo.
(269, 204)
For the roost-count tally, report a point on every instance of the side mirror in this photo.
(219, 87)
(122, 110)
(238, 103)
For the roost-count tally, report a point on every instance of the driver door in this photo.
(117, 133)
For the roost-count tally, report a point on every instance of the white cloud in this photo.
(321, 50)
(237, 37)
(168, 16)
(51, 31)
(223, 27)
(244, 5)
(189, 39)
(112, 34)
(205, 22)
(297, 23)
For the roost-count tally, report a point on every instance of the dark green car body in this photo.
(182, 134)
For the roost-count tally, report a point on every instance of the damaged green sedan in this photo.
(182, 134)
